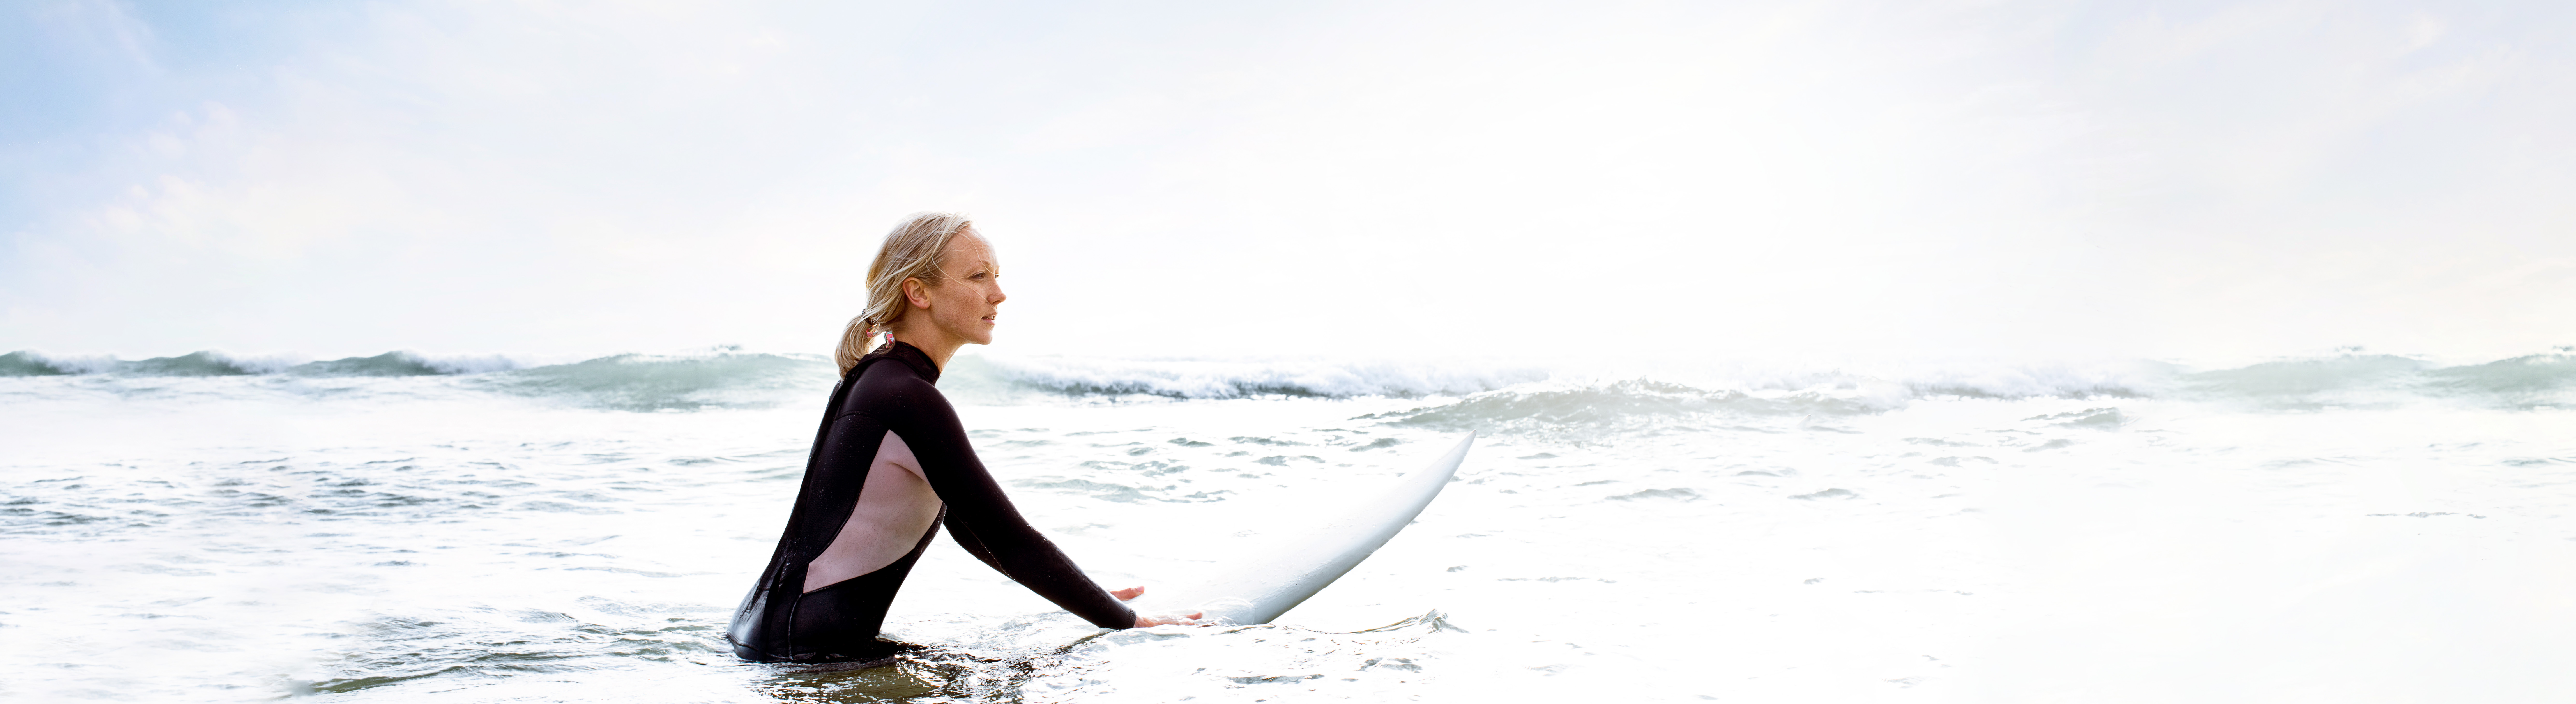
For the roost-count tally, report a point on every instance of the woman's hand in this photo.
(1192, 619)
(1144, 621)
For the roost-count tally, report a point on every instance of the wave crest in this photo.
(25, 363)
(640, 382)
(212, 363)
(2528, 381)
(2351, 380)
(1203, 379)
(1624, 401)
(1454, 394)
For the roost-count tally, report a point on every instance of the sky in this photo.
(1925, 178)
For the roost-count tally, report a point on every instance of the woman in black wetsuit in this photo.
(891, 464)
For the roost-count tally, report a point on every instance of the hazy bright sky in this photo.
(2152, 179)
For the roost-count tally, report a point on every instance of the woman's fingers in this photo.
(1145, 621)
(1191, 619)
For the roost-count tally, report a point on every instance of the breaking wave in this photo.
(2349, 381)
(2371, 380)
(1616, 402)
(1452, 394)
(1187, 378)
(639, 382)
(209, 363)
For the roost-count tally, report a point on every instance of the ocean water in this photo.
(391, 528)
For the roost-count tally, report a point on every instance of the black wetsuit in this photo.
(890, 390)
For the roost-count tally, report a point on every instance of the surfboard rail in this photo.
(1261, 590)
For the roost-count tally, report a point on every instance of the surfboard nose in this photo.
(1269, 581)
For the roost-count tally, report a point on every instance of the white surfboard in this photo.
(1268, 582)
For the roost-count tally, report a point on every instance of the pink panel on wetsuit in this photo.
(895, 507)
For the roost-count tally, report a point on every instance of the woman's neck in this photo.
(939, 347)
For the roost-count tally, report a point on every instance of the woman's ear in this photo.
(917, 292)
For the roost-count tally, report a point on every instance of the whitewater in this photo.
(2348, 527)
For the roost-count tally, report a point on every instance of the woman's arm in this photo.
(965, 536)
(982, 518)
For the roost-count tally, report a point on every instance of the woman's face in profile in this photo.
(965, 303)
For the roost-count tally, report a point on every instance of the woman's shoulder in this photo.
(890, 376)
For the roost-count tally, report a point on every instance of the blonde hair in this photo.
(912, 251)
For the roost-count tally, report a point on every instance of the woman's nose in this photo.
(998, 296)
